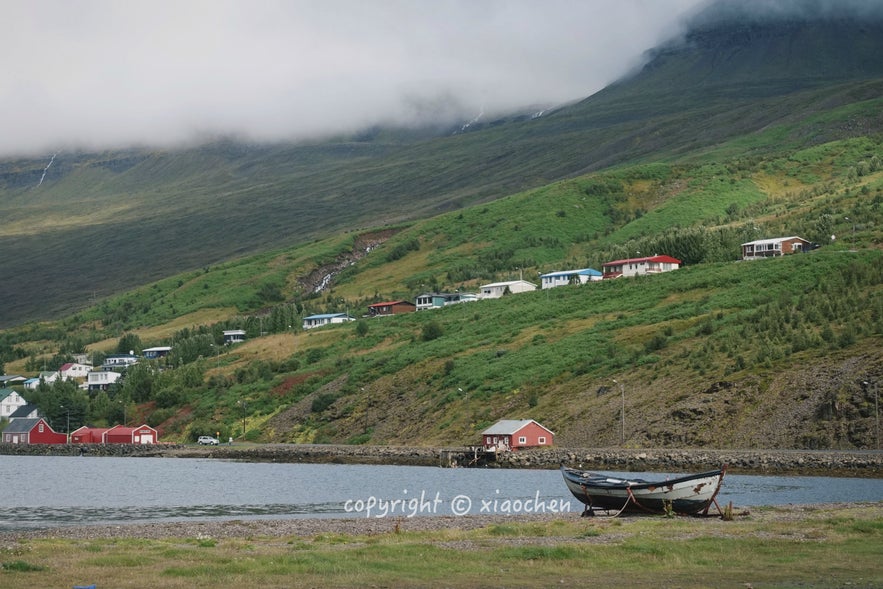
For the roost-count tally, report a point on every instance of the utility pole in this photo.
(622, 413)
(876, 413)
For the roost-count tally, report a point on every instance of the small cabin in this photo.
(516, 434)
(391, 308)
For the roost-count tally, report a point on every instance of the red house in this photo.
(119, 434)
(391, 308)
(88, 435)
(514, 434)
(34, 430)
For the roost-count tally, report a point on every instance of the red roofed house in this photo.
(73, 370)
(640, 266)
(33, 430)
(391, 308)
(120, 434)
(515, 434)
(88, 435)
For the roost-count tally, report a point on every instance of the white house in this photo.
(25, 412)
(777, 246)
(565, 277)
(74, 370)
(119, 362)
(10, 401)
(436, 300)
(497, 289)
(48, 377)
(234, 336)
(100, 380)
(321, 319)
(156, 352)
(640, 266)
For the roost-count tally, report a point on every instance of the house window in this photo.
(541, 440)
(40, 429)
(522, 440)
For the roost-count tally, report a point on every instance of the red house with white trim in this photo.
(516, 434)
(640, 266)
(119, 434)
(34, 430)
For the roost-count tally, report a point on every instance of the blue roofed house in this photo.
(565, 277)
(47, 376)
(319, 320)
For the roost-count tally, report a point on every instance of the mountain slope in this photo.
(126, 218)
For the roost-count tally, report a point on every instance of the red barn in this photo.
(391, 308)
(88, 435)
(119, 434)
(34, 430)
(514, 434)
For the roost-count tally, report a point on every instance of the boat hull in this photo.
(688, 495)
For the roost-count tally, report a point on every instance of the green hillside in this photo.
(172, 247)
(124, 219)
(721, 353)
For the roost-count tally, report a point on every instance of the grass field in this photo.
(791, 546)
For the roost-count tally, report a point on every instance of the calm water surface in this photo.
(50, 491)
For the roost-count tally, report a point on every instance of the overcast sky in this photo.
(111, 73)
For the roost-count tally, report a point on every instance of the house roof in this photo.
(773, 240)
(660, 259)
(22, 426)
(507, 427)
(581, 272)
(5, 393)
(66, 366)
(126, 430)
(326, 316)
(23, 411)
(507, 283)
(11, 378)
(388, 303)
(157, 349)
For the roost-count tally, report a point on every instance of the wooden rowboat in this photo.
(686, 495)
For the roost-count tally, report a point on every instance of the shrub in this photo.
(432, 330)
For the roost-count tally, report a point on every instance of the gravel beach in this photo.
(310, 527)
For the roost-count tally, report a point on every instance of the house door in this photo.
(146, 438)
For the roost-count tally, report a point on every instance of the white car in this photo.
(207, 441)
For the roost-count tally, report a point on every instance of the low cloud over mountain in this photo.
(98, 73)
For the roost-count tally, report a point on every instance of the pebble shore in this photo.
(359, 526)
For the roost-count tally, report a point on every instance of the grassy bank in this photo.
(810, 546)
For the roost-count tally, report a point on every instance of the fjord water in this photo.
(51, 491)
